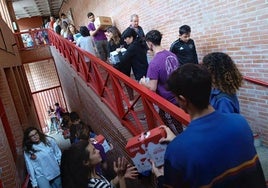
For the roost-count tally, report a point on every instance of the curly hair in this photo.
(28, 144)
(225, 75)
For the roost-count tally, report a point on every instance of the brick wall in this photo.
(30, 23)
(238, 28)
(8, 58)
(6, 158)
(18, 107)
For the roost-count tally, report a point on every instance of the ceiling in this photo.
(30, 8)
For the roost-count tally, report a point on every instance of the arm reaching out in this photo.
(120, 168)
(131, 172)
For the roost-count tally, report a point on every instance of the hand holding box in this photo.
(146, 147)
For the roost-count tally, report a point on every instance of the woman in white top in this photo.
(85, 42)
(42, 157)
(64, 30)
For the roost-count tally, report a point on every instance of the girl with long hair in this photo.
(42, 157)
(78, 168)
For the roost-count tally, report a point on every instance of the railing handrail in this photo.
(92, 77)
(26, 181)
(65, 47)
(247, 78)
(75, 57)
(255, 81)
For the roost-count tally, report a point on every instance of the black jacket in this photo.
(185, 52)
(136, 58)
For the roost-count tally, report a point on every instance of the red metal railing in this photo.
(256, 81)
(8, 130)
(109, 84)
(26, 181)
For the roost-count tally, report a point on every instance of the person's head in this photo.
(64, 25)
(154, 38)
(82, 131)
(66, 119)
(185, 33)
(52, 18)
(57, 104)
(134, 20)
(63, 16)
(84, 31)
(58, 21)
(191, 84)
(74, 117)
(72, 29)
(225, 75)
(113, 34)
(58, 29)
(129, 35)
(32, 136)
(91, 17)
(81, 157)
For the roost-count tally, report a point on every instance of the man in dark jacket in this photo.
(184, 47)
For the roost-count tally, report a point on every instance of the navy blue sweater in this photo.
(216, 151)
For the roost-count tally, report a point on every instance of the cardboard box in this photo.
(103, 22)
(101, 140)
(146, 147)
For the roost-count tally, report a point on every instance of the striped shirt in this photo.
(101, 182)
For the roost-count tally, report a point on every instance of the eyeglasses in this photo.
(36, 133)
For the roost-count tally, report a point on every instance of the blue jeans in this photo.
(42, 182)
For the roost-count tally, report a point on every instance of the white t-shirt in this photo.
(87, 44)
(64, 34)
